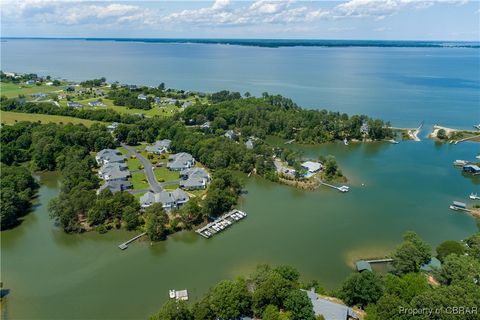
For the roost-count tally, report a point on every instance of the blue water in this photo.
(404, 85)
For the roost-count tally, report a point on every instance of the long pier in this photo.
(221, 223)
(384, 260)
(124, 245)
(341, 189)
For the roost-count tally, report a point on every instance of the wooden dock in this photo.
(221, 223)
(124, 245)
(383, 260)
(341, 189)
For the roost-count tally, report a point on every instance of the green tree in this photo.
(361, 289)
(449, 247)
(407, 286)
(130, 216)
(460, 269)
(473, 246)
(300, 305)
(156, 218)
(411, 254)
(230, 299)
(270, 313)
(173, 310)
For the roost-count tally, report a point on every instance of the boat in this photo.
(454, 208)
(345, 141)
(477, 126)
(474, 196)
(393, 141)
(460, 163)
(171, 294)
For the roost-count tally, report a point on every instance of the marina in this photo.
(474, 196)
(124, 245)
(221, 223)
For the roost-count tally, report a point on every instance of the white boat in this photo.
(454, 208)
(171, 294)
(477, 126)
(393, 141)
(474, 196)
(345, 141)
(460, 162)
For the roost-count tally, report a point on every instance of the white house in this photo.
(312, 166)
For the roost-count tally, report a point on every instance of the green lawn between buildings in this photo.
(7, 117)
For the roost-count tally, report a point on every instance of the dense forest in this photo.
(451, 292)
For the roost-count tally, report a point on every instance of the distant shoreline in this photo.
(278, 43)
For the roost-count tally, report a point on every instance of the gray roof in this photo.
(115, 186)
(330, 310)
(168, 199)
(159, 146)
(249, 144)
(73, 104)
(116, 173)
(230, 134)
(110, 155)
(363, 265)
(193, 183)
(108, 167)
(195, 173)
(433, 264)
(180, 161)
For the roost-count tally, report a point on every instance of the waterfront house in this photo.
(471, 168)
(115, 186)
(364, 128)
(107, 168)
(111, 127)
(249, 144)
(109, 156)
(432, 265)
(169, 200)
(363, 265)
(206, 125)
(160, 146)
(330, 310)
(73, 104)
(180, 161)
(194, 178)
(312, 166)
(230, 134)
(96, 103)
(141, 96)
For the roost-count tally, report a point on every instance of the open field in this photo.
(11, 90)
(8, 117)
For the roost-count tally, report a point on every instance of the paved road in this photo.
(147, 167)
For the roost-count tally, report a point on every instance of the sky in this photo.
(285, 19)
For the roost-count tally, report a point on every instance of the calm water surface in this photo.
(407, 186)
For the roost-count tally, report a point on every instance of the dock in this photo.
(341, 189)
(290, 141)
(221, 223)
(124, 245)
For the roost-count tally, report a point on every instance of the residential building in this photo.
(194, 178)
(115, 186)
(364, 128)
(230, 134)
(168, 199)
(109, 156)
(249, 144)
(160, 146)
(109, 170)
(206, 125)
(96, 103)
(330, 310)
(180, 161)
(157, 100)
(187, 104)
(30, 82)
(111, 127)
(312, 166)
(39, 95)
(73, 104)
(471, 168)
(141, 96)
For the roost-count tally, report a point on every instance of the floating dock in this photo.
(459, 206)
(124, 245)
(341, 189)
(221, 223)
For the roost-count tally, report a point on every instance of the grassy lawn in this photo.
(171, 186)
(8, 117)
(163, 174)
(122, 150)
(139, 180)
(11, 90)
(198, 193)
(133, 164)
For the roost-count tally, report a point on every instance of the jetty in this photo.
(413, 134)
(459, 206)
(124, 245)
(290, 141)
(341, 189)
(221, 223)
(365, 264)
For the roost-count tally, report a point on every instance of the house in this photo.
(206, 125)
(230, 134)
(312, 166)
(431, 265)
(116, 174)
(30, 82)
(141, 96)
(187, 104)
(96, 103)
(111, 127)
(50, 83)
(363, 265)
(157, 100)
(109, 156)
(115, 186)
(169, 200)
(249, 144)
(330, 310)
(98, 92)
(160, 146)
(471, 168)
(364, 128)
(39, 95)
(73, 104)
(170, 101)
(194, 178)
(180, 161)
(111, 169)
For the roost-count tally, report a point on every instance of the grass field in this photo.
(171, 187)
(163, 174)
(7, 117)
(134, 164)
(11, 90)
(139, 180)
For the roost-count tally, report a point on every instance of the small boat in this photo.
(474, 196)
(454, 208)
(171, 294)
(460, 163)
(477, 126)
(393, 141)
(345, 141)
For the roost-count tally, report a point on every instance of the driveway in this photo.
(147, 167)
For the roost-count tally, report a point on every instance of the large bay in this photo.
(52, 275)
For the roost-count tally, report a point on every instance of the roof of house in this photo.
(195, 173)
(194, 182)
(115, 186)
(230, 134)
(312, 166)
(165, 197)
(159, 145)
(111, 155)
(330, 310)
(109, 166)
(431, 265)
(180, 160)
(363, 265)
(249, 144)
(116, 173)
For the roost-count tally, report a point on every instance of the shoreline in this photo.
(453, 135)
